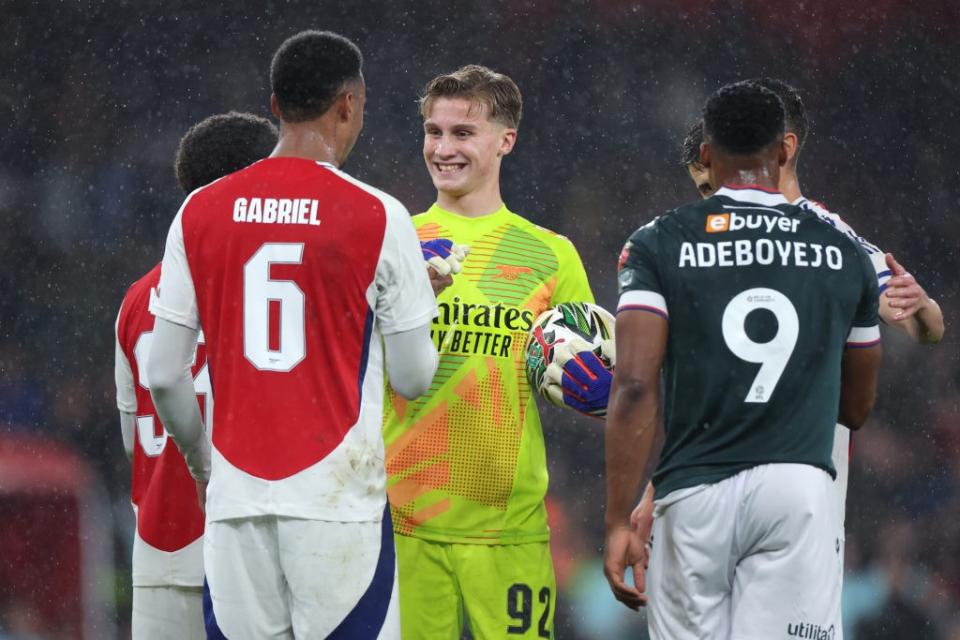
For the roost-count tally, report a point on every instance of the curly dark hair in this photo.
(690, 149)
(796, 115)
(743, 118)
(220, 145)
(309, 70)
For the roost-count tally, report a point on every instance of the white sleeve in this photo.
(174, 396)
(177, 298)
(405, 299)
(879, 262)
(411, 360)
(123, 375)
(128, 424)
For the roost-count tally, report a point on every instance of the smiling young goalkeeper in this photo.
(466, 462)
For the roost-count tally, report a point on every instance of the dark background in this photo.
(95, 96)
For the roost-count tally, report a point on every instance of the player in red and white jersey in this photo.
(307, 284)
(167, 548)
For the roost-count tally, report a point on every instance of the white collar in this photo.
(753, 194)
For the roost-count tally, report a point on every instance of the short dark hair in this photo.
(220, 145)
(796, 114)
(743, 118)
(690, 149)
(309, 70)
(479, 84)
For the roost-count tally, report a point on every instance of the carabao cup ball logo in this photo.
(564, 322)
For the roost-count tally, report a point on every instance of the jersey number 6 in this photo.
(274, 337)
(772, 356)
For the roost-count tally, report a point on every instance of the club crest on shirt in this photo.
(511, 271)
(624, 255)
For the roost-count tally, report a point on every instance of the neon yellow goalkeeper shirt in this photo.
(466, 461)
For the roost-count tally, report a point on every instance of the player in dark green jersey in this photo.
(772, 320)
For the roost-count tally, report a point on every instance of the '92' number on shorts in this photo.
(520, 610)
(274, 334)
(772, 356)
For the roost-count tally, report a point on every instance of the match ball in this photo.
(567, 323)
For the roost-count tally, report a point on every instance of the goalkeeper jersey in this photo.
(466, 461)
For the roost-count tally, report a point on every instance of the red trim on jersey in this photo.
(168, 516)
(272, 424)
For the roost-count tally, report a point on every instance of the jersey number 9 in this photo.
(772, 356)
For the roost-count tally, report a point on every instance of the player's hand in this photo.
(444, 259)
(623, 549)
(577, 377)
(642, 522)
(202, 495)
(444, 255)
(905, 294)
(438, 282)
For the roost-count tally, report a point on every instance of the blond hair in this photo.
(479, 84)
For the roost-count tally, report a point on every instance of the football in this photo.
(566, 323)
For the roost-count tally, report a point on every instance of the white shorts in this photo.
(276, 577)
(167, 613)
(750, 557)
(841, 460)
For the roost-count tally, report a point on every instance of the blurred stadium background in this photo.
(96, 95)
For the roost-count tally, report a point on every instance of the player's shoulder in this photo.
(140, 289)
(391, 205)
(836, 221)
(558, 242)
(134, 309)
(649, 230)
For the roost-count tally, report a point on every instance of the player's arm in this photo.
(175, 333)
(630, 433)
(860, 370)
(406, 305)
(905, 305)
(174, 396)
(572, 282)
(860, 367)
(444, 259)
(411, 360)
(581, 375)
(126, 394)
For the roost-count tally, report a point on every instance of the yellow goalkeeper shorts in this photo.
(501, 591)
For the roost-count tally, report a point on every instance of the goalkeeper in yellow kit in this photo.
(466, 461)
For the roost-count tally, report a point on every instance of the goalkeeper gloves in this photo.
(578, 378)
(444, 255)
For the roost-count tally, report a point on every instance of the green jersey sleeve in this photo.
(638, 277)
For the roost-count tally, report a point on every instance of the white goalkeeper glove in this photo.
(444, 255)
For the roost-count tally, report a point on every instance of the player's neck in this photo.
(759, 176)
(790, 184)
(309, 140)
(475, 204)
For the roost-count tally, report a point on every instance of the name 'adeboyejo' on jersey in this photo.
(761, 251)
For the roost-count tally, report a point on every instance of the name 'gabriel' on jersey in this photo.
(762, 298)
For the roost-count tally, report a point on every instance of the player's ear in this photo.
(275, 107)
(705, 155)
(790, 141)
(783, 154)
(346, 104)
(507, 141)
